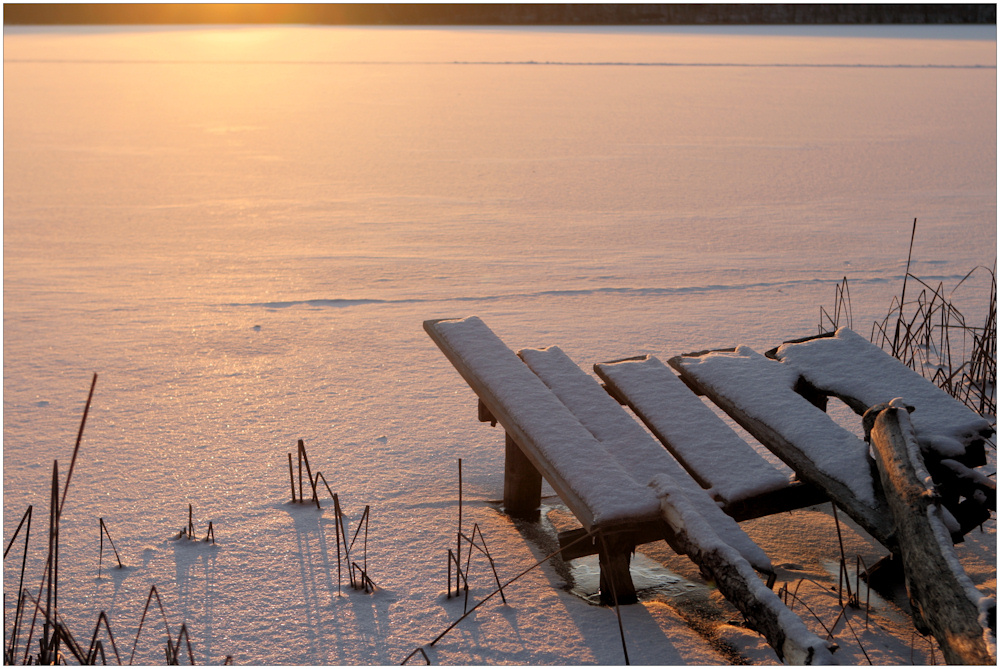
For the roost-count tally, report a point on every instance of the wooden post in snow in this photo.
(615, 553)
(942, 597)
(522, 483)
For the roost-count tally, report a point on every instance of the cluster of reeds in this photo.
(930, 335)
(848, 597)
(795, 597)
(187, 532)
(462, 581)
(455, 556)
(54, 634)
(56, 644)
(357, 573)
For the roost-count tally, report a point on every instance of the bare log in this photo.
(943, 598)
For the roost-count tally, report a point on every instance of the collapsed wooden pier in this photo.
(693, 482)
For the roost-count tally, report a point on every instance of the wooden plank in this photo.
(690, 430)
(941, 594)
(511, 394)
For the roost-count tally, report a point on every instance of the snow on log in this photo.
(763, 609)
(943, 599)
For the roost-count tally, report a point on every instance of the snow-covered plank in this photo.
(591, 483)
(863, 375)
(763, 609)
(641, 456)
(758, 393)
(708, 448)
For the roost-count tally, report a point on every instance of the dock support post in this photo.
(615, 553)
(522, 483)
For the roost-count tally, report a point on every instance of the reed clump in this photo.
(358, 573)
(927, 332)
(37, 617)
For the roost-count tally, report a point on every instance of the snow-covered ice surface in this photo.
(242, 229)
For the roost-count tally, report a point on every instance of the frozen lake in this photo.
(241, 230)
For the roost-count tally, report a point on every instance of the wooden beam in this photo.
(941, 594)
(636, 535)
(797, 495)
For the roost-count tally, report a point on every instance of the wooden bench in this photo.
(619, 483)
(746, 484)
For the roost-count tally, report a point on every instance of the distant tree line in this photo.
(493, 14)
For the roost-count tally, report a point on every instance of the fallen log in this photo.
(942, 597)
(689, 533)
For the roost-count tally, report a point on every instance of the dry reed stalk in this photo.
(458, 538)
(94, 643)
(548, 557)
(459, 574)
(103, 532)
(485, 551)
(10, 652)
(319, 475)
(366, 580)
(76, 448)
(857, 639)
(841, 309)
(301, 449)
(796, 598)
(338, 519)
(312, 482)
(177, 645)
(152, 592)
(427, 660)
(364, 545)
(50, 641)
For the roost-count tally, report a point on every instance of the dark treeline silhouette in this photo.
(493, 14)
